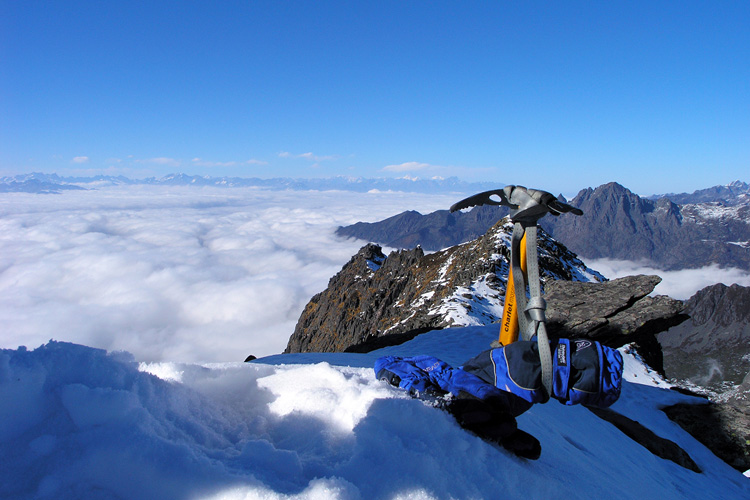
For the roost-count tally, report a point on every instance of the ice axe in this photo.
(527, 207)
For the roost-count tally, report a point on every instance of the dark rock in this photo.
(722, 428)
(713, 348)
(615, 313)
(374, 297)
(250, 358)
(720, 304)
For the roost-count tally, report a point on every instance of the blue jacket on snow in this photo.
(584, 372)
(426, 376)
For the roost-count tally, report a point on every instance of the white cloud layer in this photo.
(680, 284)
(175, 273)
(197, 274)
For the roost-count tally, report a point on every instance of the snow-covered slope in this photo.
(77, 422)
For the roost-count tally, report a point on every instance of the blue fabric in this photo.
(425, 375)
(583, 371)
(561, 367)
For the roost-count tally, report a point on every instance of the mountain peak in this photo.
(409, 291)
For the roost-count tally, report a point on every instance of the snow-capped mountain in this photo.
(617, 224)
(26, 183)
(734, 193)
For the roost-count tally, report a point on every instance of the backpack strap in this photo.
(534, 308)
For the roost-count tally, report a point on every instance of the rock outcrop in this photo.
(713, 348)
(377, 300)
(374, 296)
(615, 313)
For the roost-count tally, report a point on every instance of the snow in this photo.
(477, 304)
(79, 422)
(638, 372)
(700, 212)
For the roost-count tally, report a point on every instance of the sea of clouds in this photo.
(193, 274)
(176, 273)
(680, 284)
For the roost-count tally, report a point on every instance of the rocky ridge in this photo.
(616, 224)
(734, 193)
(376, 299)
(409, 291)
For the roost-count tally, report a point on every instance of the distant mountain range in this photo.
(53, 183)
(673, 231)
(737, 192)
(616, 224)
(33, 185)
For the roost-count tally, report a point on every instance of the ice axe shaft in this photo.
(527, 207)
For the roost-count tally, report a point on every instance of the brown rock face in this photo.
(376, 300)
(375, 296)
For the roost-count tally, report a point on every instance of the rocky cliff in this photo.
(711, 352)
(409, 291)
(713, 348)
(433, 231)
(621, 225)
(376, 300)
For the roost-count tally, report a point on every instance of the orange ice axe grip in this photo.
(509, 326)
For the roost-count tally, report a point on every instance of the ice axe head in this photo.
(527, 205)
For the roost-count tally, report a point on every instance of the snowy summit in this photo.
(78, 422)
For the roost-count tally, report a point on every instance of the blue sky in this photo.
(560, 96)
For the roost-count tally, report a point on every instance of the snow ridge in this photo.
(91, 424)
